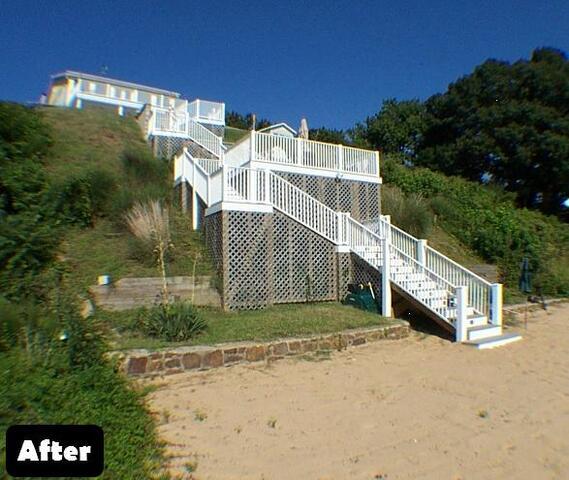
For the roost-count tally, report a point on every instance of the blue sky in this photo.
(333, 62)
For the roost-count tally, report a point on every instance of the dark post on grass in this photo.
(524, 285)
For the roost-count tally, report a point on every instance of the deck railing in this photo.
(246, 185)
(171, 122)
(207, 112)
(315, 155)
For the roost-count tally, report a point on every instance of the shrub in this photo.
(487, 220)
(176, 322)
(53, 393)
(409, 212)
(25, 324)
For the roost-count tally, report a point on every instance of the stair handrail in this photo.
(479, 289)
(263, 186)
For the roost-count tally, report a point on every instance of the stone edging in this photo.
(169, 361)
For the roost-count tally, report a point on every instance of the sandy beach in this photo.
(421, 407)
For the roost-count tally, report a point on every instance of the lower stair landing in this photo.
(494, 341)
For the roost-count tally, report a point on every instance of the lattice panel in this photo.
(167, 147)
(215, 129)
(213, 229)
(304, 263)
(363, 272)
(360, 199)
(249, 277)
(345, 274)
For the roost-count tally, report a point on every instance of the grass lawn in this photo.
(275, 322)
(232, 135)
(107, 249)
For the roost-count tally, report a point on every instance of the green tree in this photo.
(397, 128)
(329, 135)
(508, 124)
(244, 122)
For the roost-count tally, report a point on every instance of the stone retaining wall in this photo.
(169, 361)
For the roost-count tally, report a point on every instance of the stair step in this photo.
(484, 331)
(497, 341)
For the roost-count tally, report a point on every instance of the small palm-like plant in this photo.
(174, 322)
(149, 222)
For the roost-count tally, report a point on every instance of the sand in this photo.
(421, 407)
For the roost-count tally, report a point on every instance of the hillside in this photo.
(97, 144)
(486, 223)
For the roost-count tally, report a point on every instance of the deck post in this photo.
(421, 250)
(496, 304)
(340, 158)
(252, 187)
(461, 314)
(195, 204)
(252, 146)
(385, 282)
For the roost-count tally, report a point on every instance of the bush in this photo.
(173, 322)
(409, 212)
(53, 393)
(487, 220)
(25, 324)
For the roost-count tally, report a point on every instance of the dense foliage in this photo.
(487, 220)
(44, 386)
(36, 208)
(504, 124)
(245, 122)
(52, 363)
(508, 123)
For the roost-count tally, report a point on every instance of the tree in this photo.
(329, 135)
(508, 124)
(397, 128)
(244, 122)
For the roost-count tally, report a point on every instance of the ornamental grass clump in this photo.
(149, 222)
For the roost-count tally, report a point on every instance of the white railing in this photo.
(316, 155)
(205, 138)
(440, 275)
(210, 165)
(207, 112)
(169, 121)
(479, 290)
(437, 299)
(172, 122)
(303, 208)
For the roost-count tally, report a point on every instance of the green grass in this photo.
(38, 391)
(109, 250)
(84, 138)
(453, 248)
(233, 135)
(279, 321)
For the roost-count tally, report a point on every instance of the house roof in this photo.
(278, 125)
(113, 81)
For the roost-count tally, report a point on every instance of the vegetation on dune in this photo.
(487, 221)
(67, 179)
